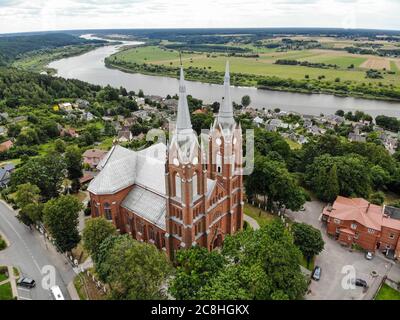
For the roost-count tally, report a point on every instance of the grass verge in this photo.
(387, 293)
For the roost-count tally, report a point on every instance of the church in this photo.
(187, 192)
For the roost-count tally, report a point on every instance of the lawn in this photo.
(6, 292)
(293, 145)
(261, 216)
(387, 293)
(91, 289)
(264, 65)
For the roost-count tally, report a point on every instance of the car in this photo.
(369, 256)
(316, 275)
(360, 283)
(26, 283)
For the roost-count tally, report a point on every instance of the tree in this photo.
(141, 94)
(195, 267)
(73, 160)
(272, 180)
(59, 145)
(134, 270)
(61, 217)
(95, 232)
(27, 198)
(308, 240)
(46, 172)
(377, 198)
(246, 100)
(339, 113)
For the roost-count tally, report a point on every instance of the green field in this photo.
(6, 291)
(263, 66)
(387, 293)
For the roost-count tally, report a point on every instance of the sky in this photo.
(44, 15)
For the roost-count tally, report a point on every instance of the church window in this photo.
(107, 211)
(178, 186)
(194, 184)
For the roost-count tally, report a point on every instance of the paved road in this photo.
(30, 253)
(334, 258)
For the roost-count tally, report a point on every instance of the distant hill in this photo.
(12, 46)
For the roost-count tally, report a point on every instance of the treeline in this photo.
(24, 88)
(205, 48)
(13, 46)
(381, 52)
(388, 123)
(305, 64)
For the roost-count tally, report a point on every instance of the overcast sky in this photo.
(41, 15)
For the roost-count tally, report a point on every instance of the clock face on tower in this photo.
(176, 162)
(218, 141)
(195, 161)
(234, 140)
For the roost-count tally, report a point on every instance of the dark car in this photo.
(316, 275)
(361, 283)
(26, 283)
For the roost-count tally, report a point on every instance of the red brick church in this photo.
(186, 193)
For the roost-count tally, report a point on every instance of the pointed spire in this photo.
(183, 115)
(225, 115)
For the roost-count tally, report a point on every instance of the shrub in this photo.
(3, 243)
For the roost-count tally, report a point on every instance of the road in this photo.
(336, 261)
(30, 252)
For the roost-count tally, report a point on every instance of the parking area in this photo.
(339, 264)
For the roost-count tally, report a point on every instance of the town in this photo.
(193, 171)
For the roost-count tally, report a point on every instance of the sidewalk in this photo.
(252, 222)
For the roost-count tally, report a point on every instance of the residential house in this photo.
(258, 121)
(124, 136)
(70, 132)
(66, 106)
(5, 174)
(4, 116)
(87, 116)
(356, 221)
(82, 104)
(3, 131)
(140, 101)
(357, 137)
(92, 157)
(6, 145)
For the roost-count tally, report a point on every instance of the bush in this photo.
(3, 243)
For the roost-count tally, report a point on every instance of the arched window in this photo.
(107, 211)
(178, 186)
(194, 185)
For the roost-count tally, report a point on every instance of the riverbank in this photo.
(248, 80)
(38, 61)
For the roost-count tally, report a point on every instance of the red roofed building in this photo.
(6, 145)
(356, 221)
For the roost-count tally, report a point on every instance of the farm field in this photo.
(265, 65)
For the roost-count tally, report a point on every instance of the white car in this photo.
(369, 256)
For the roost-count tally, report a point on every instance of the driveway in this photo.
(30, 252)
(337, 261)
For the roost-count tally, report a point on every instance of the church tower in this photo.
(225, 157)
(185, 180)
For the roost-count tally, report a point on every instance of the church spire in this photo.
(183, 116)
(225, 115)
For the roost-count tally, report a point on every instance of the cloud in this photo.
(34, 15)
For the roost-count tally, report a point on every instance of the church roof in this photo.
(225, 115)
(122, 167)
(147, 204)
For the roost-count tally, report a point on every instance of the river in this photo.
(90, 67)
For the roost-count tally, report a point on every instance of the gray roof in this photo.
(122, 167)
(183, 115)
(147, 204)
(225, 115)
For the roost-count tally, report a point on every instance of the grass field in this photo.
(6, 291)
(261, 216)
(387, 293)
(265, 64)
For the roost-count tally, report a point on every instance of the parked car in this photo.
(360, 283)
(316, 275)
(369, 256)
(26, 282)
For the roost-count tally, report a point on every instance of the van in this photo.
(56, 293)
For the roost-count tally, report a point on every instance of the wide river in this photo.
(90, 67)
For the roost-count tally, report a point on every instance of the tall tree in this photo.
(308, 239)
(195, 267)
(61, 216)
(27, 198)
(246, 101)
(95, 232)
(73, 160)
